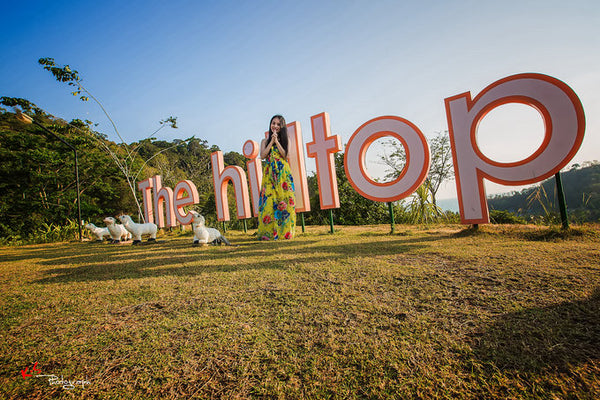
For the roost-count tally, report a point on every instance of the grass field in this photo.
(430, 313)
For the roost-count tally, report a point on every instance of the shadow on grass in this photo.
(180, 258)
(538, 339)
(49, 251)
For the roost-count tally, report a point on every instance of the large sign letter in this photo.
(417, 159)
(163, 196)
(146, 187)
(322, 148)
(296, 159)
(188, 189)
(221, 177)
(254, 166)
(564, 122)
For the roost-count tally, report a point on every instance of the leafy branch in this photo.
(440, 170)
(125, 164)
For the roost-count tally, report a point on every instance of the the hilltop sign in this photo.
(557, 103)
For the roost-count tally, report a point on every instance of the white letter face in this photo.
(254, 166)
(417, 159)
(298, 167)
(179, 200)
(146, 187)
(322, 148)
(564, 122)
(163, 196)
(221, 177)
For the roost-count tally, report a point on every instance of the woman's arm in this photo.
(265, 148)
(280, 148)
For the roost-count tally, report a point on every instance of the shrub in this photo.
(505, 217)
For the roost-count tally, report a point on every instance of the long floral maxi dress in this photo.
(276, 207)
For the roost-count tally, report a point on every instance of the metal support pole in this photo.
(392, 222)
(562, 204)
(302, 219)
(78, 200)
(331, 220)
(224, 227)
(245, 226)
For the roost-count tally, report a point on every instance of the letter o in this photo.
(415, 169)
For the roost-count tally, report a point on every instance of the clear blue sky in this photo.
(225, 67)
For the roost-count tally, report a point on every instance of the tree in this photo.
(37, 186)
(36, 193)
(126, 162)
(440, 170)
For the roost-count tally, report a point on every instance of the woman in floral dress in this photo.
(277, 212)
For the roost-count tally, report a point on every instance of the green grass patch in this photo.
(429, 312)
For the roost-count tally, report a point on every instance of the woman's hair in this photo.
(283, 136)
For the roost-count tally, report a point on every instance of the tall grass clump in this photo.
(45, 233)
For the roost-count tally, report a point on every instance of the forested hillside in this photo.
(37, 178)
(581, 186)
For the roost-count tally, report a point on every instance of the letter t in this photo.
(322, 149)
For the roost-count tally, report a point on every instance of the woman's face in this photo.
(275, 125)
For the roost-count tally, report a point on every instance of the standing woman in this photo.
(277, 208)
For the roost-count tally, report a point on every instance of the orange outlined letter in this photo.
(298, 166)
(221, 177)
(254, 165)
(417, 159)
(322, 149)
(163, 196)
(564, 122)
(146, 187)
(179, 201)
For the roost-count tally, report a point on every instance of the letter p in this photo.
(564, 122)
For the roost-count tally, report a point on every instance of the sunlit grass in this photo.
(438, 312)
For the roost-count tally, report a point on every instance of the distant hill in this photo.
(581, 186)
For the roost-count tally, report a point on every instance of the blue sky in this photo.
(223, 68)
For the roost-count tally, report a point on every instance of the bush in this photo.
(45, 233)
(505, 217)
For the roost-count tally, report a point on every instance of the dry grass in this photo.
(442, 312)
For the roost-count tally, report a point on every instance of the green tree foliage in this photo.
(23, 104)
(505, 217)
(440, 170)
(37, 183)
(125, 162)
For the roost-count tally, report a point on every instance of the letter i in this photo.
(298, 167)
(254, 165)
